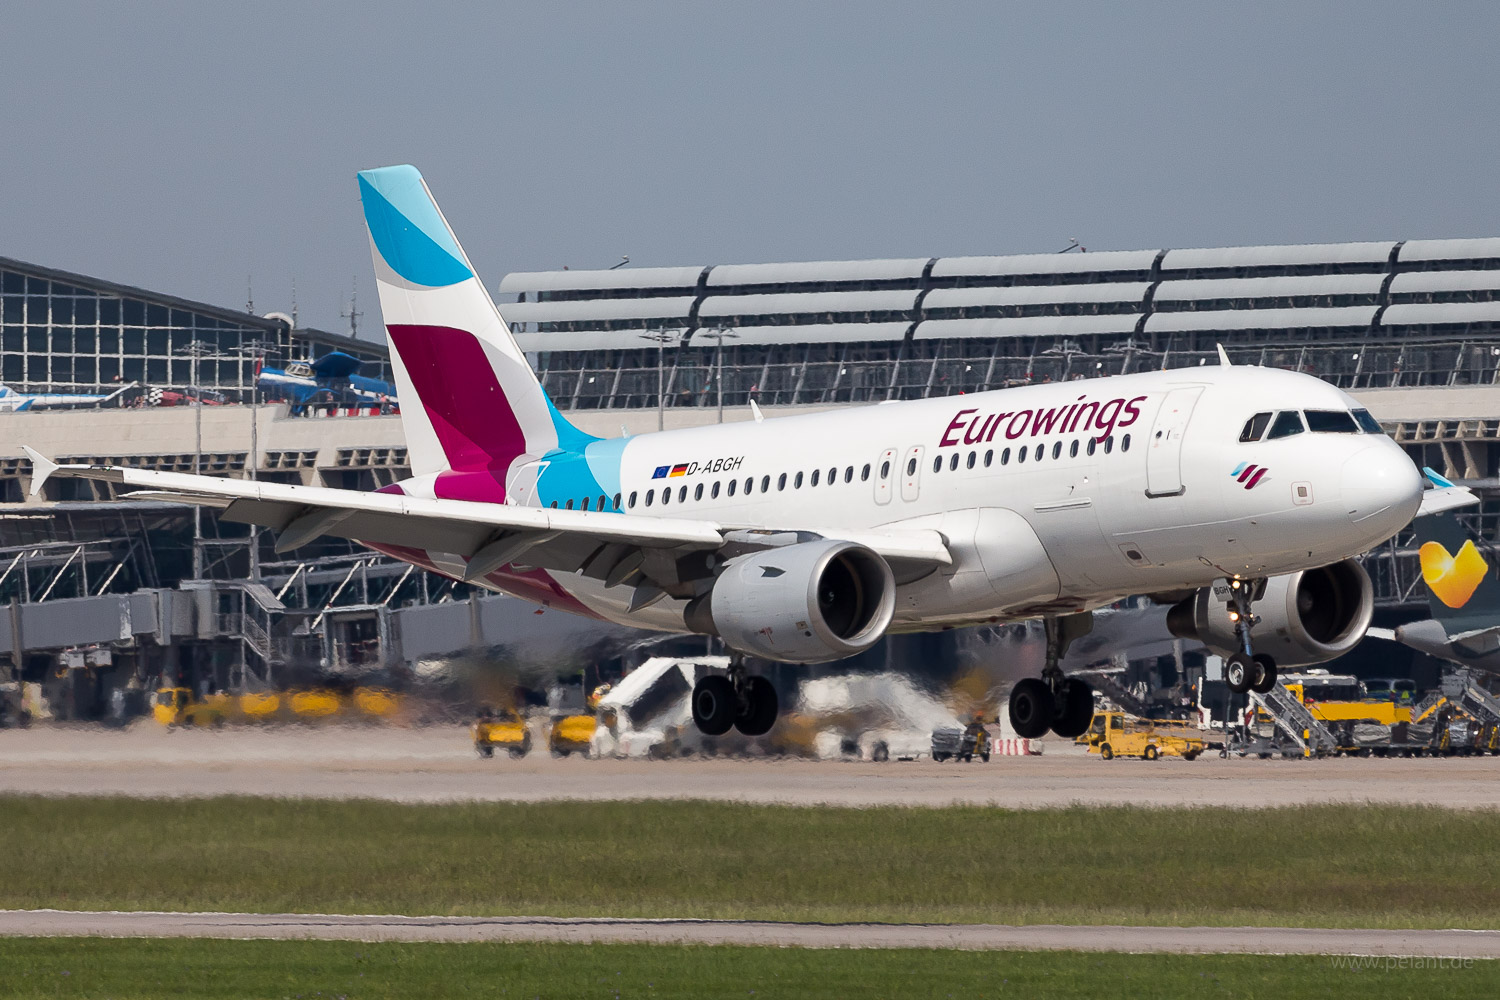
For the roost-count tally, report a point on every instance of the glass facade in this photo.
(64, 332)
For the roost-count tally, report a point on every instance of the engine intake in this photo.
(803, 603)
(1306, 617)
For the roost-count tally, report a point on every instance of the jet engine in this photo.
(803, 603)
(1306, 617)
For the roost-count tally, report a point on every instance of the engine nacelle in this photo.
(802, 603)
(1306, 617)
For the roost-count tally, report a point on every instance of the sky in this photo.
(209, 150)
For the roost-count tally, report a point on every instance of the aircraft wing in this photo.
(1444, 495)
(606, 545)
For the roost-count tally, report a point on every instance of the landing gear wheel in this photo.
(714, 705)
(1030, 707)
(1150, 753)
(1238, 671)
(1075, 710)
(758, 713)
(1264, 674)
(1106, 751)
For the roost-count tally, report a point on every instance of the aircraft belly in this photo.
(999, 564)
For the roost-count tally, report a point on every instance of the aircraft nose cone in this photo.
(1381, 487)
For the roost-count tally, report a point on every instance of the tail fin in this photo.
(1462, 573)
(469, 400)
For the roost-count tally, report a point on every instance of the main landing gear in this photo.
(748, 703)
(1054, 701)
(1246, 670)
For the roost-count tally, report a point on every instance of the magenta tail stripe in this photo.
(456, 385)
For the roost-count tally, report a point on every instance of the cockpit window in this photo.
(1287, 423)
(1331, 422)
(1367, 423)
(1255, 427)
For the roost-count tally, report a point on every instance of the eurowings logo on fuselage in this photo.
(1452, 578)
(1249, 476)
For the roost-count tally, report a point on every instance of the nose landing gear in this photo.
(1246, 670)
(1054, 701)
(747, 703)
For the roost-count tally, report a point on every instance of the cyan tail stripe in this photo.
(407, 229)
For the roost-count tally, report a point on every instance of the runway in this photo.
(1455, 944)
(437, 764)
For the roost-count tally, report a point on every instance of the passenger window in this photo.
(814, 479)
(1255, 427)
(1287, 423)
(885, 470)
(554, 505)
(604, 501)
(797, 483)
(569, 505)
(1040, 449)
(697, 491)
(650, 495)
(1057, 451)
(750, 484)
(1109, 444)
(864, 474)
(1367, 423)
(911, 467)
(585, 504)
(781, 482)
(1091, 446)
(632, 498)
(1021, 455)
(682, 494)
(973, 455)
(1125, 443)
(953, 462)
(732, 484)
(989, 457)
(1073, 449)
(666, 496)
(849, 473)
(1331, 422)
(833, 476)
(765, 483)
(1005, 457)
(937, 464)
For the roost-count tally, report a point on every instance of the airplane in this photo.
(1239, 495)
(333, 373)
(12, 401)
(1462, 573)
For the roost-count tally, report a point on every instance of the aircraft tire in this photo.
(714, 705)
(1076, 710)
(760, 708)
(1263, 674)
(1030, 708)
(1238, 671)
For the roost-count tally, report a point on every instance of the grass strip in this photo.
(1330, 866)
(98, 967)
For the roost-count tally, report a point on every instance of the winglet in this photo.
(1440, 482)
(1224, 357)
(42, 468)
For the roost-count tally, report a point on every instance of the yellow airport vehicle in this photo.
(504, 730)
(571, 734)
(376, 703)
(1115, 734)
(176, 706)
(317, 703)
(260, 706)
(1342, 698)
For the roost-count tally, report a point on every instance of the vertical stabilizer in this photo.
(1462, 574)
(471, 406)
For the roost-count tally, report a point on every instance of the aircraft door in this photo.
(885, 472)
(1164, 455)
(911, 472)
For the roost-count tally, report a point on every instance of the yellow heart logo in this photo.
(1452, 578)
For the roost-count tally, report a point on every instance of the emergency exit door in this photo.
(1164, 454)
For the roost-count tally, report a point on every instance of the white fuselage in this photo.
(1159, 503)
